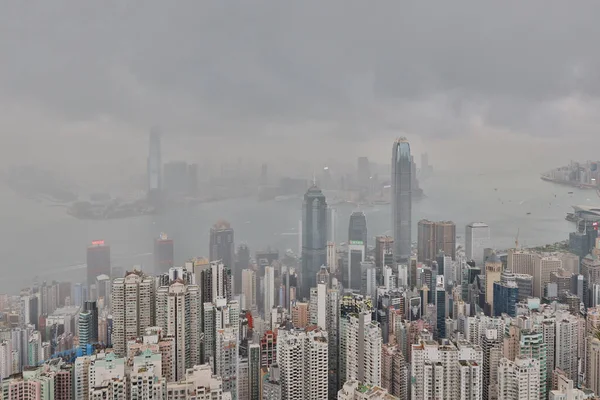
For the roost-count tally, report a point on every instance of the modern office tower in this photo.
(356, 255)
(593, 364)
(248, 289)
(433, 370)
(178, 308)
(243, 257)
(363, 357)
(520, 261)
(384, 251)
(199, 383)
(567, 340)
(433, 237)
(506, 295)
(590, 269)
(543, 266)
(477, 238)
(357, 229)
(369, 278)
(519, 380)
(226, 359)
(440, 306)
(98, 261)
(351, 305)
(222, 248)
(85, 327)
(154, 163)
(394, 372)
(269, 291)
(218, 315)
(389, 278)
(493, 269)
(314, 237)
(401, 199)
(215, 282)
(92, 308)
(491, 346)
(303, 362)
(531, 345)
(163, 253)
(132, 308)
(525, 286)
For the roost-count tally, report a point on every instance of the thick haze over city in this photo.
(82, 82)
(299, 200)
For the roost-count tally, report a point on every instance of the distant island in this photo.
(582, 175)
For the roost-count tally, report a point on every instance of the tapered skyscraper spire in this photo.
(401, 200)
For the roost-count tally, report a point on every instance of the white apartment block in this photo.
(303, 361)
(519, 379)
(178, 314)
(132, 308)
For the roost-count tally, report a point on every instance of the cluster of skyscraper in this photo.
(344, 320)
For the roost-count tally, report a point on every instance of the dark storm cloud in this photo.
(347, 67)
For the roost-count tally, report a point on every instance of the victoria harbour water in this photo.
(37, 240)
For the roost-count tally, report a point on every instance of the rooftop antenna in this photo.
(517, 239)
(314, 178)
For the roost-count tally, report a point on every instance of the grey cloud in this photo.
(216, 68)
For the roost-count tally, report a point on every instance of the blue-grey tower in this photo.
(154, 162)
(357, 228)
(314, 237)
(401, 200)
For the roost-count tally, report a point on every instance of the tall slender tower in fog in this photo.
(222, 247)
(314, 237)
(401, 199)
(154, 162)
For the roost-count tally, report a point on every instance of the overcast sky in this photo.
(501, 84)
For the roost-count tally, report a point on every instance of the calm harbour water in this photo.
(43, 241)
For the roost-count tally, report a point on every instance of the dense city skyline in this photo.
(199, 201)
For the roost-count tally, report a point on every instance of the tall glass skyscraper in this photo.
(357, 229)
(314, 237)
(401, 200)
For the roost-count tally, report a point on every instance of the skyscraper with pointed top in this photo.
(401, 199)
(314, 237)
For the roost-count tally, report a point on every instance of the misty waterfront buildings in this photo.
(163, 253)
(222, 248)
(97, 261)
(314, 238)
(402, 200)
(477, 239)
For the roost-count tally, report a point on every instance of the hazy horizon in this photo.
(500, 86)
